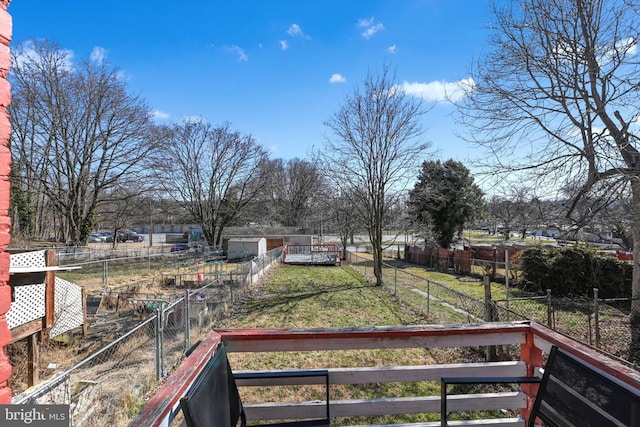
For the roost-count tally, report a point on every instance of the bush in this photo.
(613, 277)
(534, 262)
(575, 271)
(570, 272)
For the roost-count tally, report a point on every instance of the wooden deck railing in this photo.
(532, 339)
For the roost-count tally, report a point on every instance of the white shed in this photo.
(244, 248)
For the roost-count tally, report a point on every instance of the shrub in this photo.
(534, 262)
(575, 271)
(612, 276)
(570, 272)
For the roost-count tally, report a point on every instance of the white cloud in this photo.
(633, 47)
(370, 27)
(283, 44)
(337, 78)
(439, 91)
(364, 23)
(369, 32)
(98, 54)
(624, 47)
(392, 48)
(122, 76)
(160, 115)
(242, 57)
(295, 31)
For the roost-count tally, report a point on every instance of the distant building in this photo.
(246, 248)
(276, 237)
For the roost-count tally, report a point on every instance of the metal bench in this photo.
(570, 393)
(214, 401)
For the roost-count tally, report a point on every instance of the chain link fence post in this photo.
(395, 280)
(596, 316)
(158, 363)
(187, 323)
(428, 297)
(549, 310)
(105, 273)
(161, 326)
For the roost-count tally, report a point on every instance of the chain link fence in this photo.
(113, 383)
(601, 323)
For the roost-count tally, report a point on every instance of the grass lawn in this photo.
(324, 296)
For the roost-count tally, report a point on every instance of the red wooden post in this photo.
(5, 164)
(532, 356)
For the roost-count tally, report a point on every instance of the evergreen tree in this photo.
(443, 199)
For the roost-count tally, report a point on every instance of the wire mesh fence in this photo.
(601, 323)
(113, 383)
(104, 385)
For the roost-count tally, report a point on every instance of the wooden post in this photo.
(491, 354)
(50, 292)
(34, 360)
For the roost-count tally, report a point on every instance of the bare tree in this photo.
(295, 183)
(557, 95)
(121, 207)
(212, 172)
(76, 134)
(517, 208)
(373, 152)
(614, 224)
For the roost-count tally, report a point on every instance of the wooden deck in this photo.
(533, 340)
(312, 254)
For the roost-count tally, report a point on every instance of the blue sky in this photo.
(275, 69)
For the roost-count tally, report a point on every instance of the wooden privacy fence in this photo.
(462, 260)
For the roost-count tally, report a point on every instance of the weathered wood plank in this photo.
(26, 330)
(386, 374)
(385, 406)
(165, 404)
(363, 338)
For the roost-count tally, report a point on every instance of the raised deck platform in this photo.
(532, 341)
(329, 254)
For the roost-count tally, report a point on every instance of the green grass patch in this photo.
(320, 296)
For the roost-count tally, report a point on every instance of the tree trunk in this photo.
(376, 243)
(377, 265)
(634, 316)
(209, 236)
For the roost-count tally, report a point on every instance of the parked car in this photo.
(106, 236)
(180, 247)
(95, 238)
(129, 236)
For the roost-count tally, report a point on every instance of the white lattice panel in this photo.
(28, 300)
(68, 314)
(29, 259)
(28, 305)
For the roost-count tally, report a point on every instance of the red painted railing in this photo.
(534, 340)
